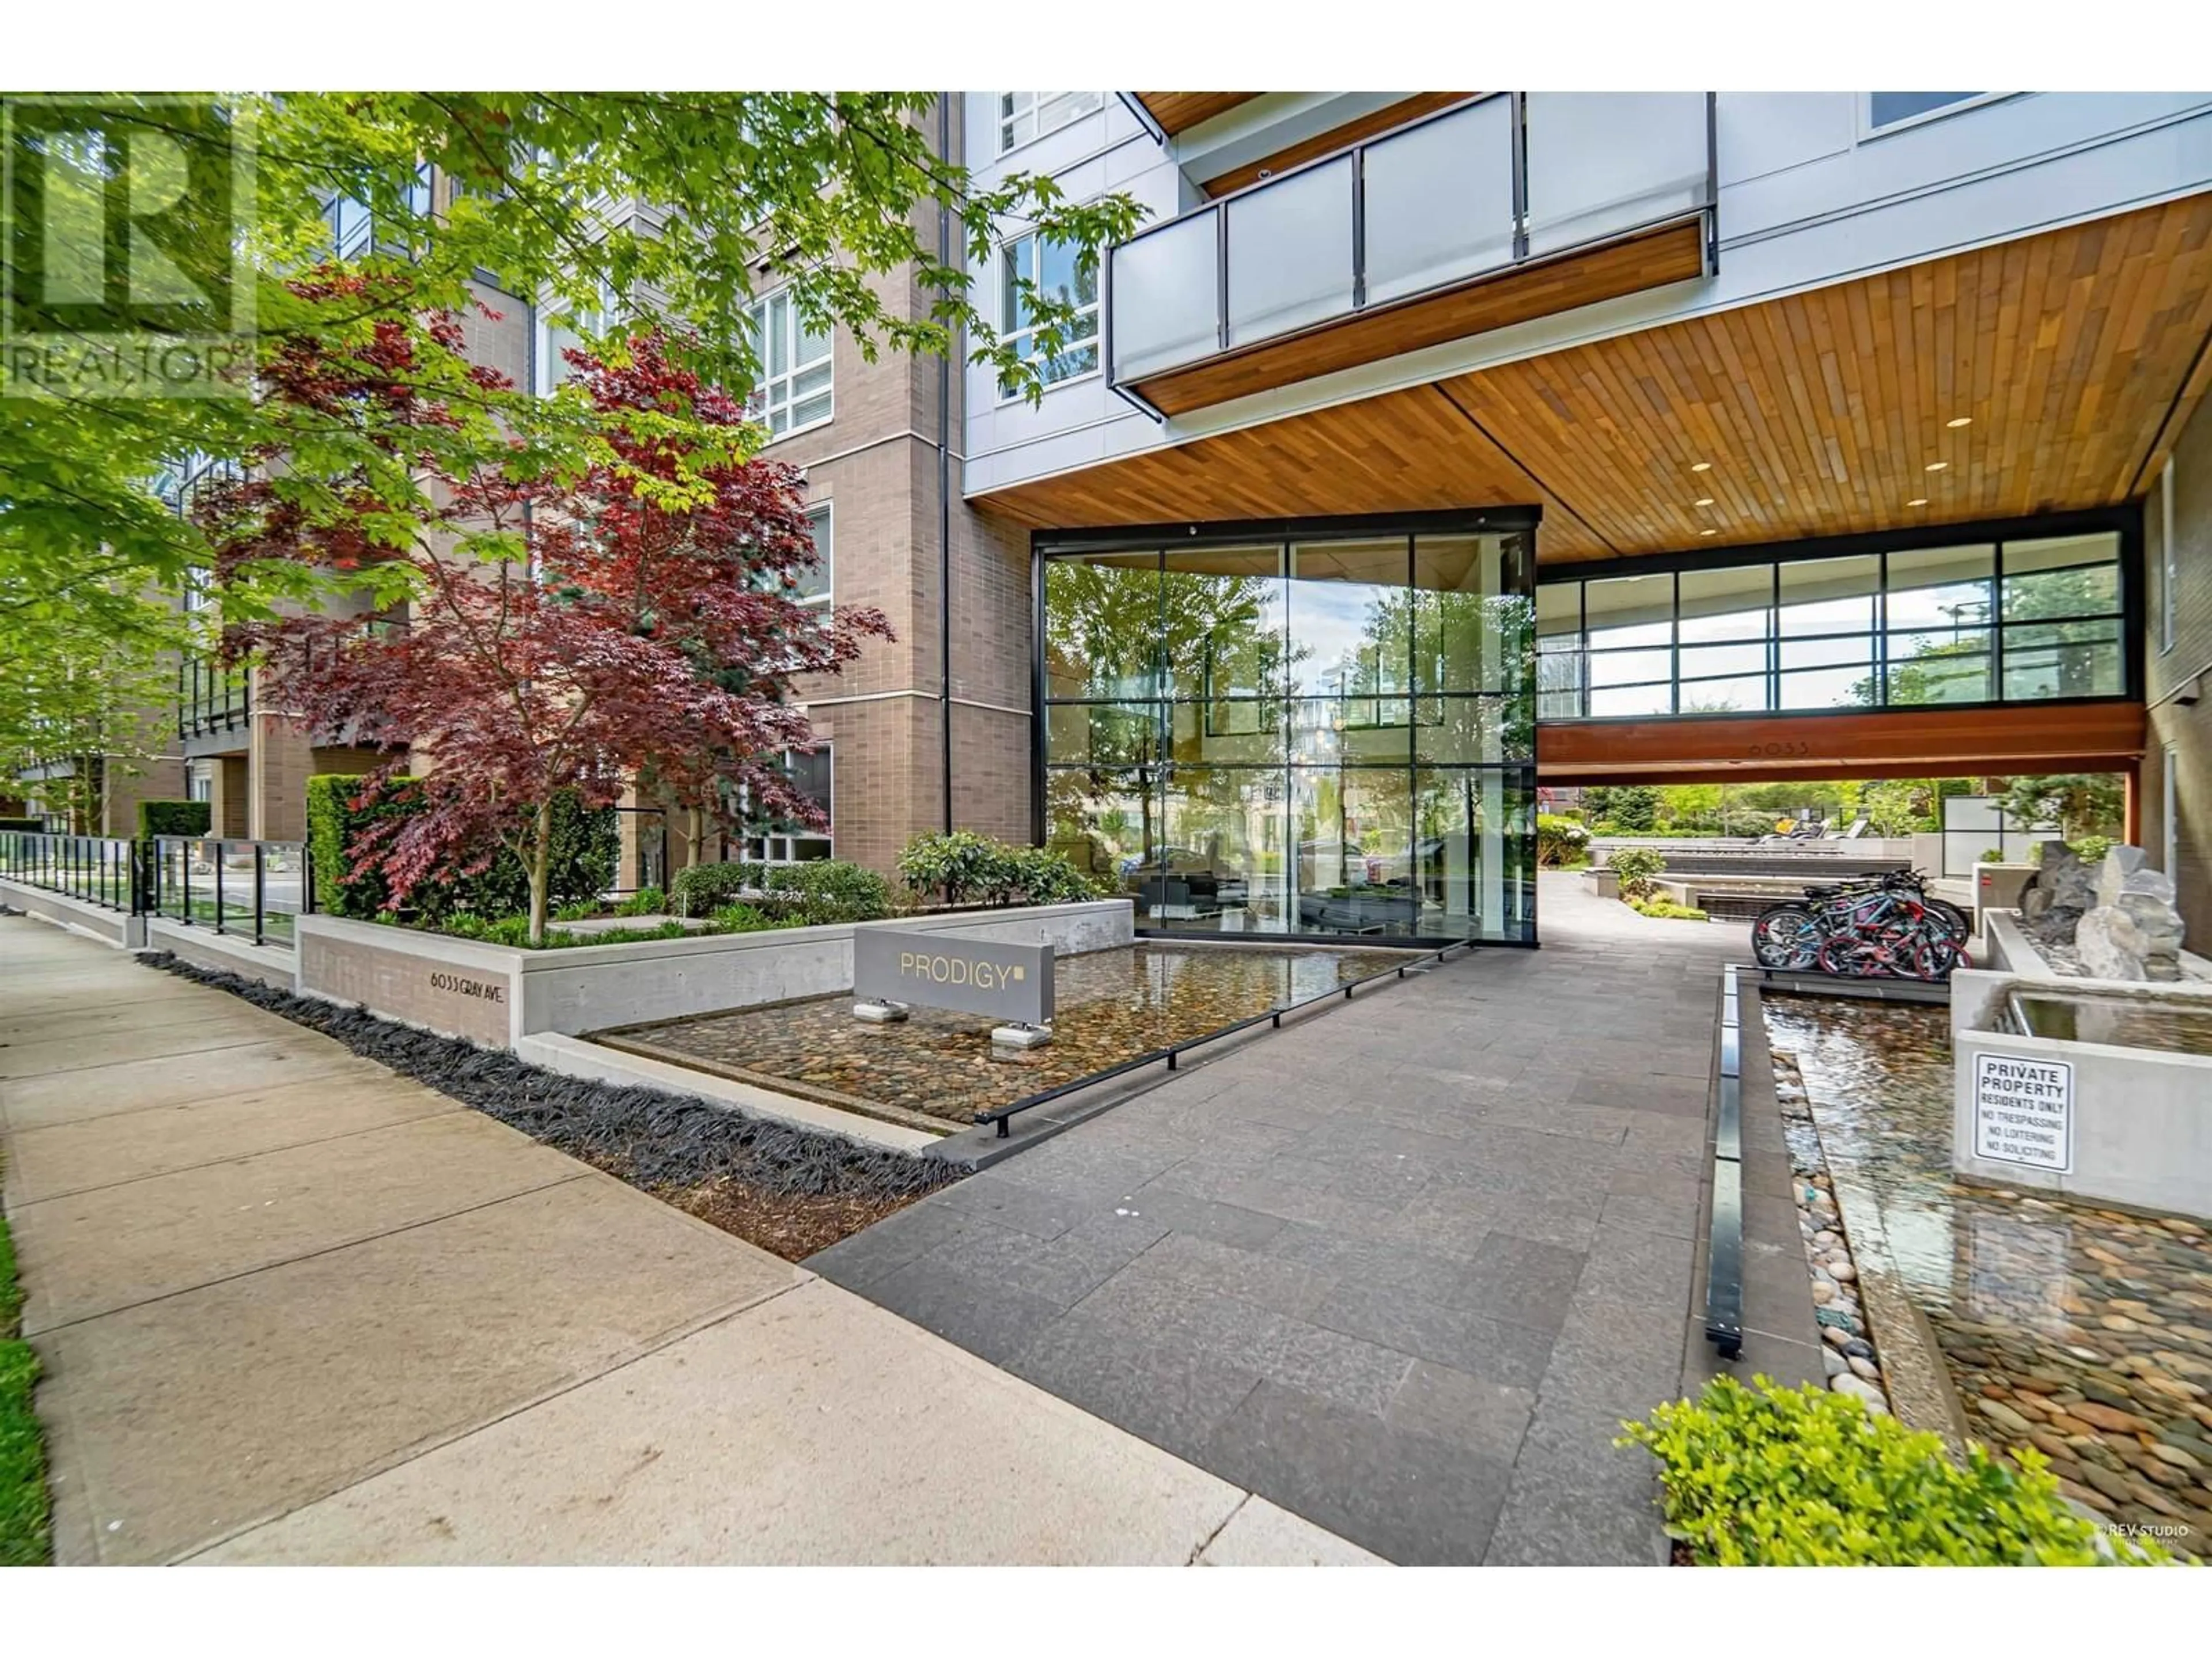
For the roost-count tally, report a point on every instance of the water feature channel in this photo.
(1111, 1005)
(2084, 1332)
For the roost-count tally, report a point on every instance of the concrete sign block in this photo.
(1011, 982)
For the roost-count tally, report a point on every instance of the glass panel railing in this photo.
(1289, 253)
(1603, 162)
(1409, 213)
(283, 888)
(1167, 297)
(1440, 201)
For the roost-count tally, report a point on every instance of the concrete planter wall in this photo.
(109, 926)
(496, 996)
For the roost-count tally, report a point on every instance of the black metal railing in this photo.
(101, 870)
(1724, 1257)
(255, 889)
(211, 698)
(1004, 1115)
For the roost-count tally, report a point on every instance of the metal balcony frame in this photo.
(1219, 206)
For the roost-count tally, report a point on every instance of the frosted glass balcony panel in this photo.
(1440, 201)
(1603, 162)
(1289, 253)
(1167, 294)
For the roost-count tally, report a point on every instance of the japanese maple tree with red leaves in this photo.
(563, 632)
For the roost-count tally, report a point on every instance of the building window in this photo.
(562, 328)
(2169, 806)
(199, 781)
(790, 844)
(818, 583)
(2169, 559)
(1886, 109)
(1330, 732)
(794, 390)
(2031, 620)
(1052, 270)
(1023, 116)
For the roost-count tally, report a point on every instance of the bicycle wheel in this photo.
(1846, 956)
(1954, 919)
(1785, 936)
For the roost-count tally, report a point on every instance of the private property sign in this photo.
(1010, 983)
(2024, 1111)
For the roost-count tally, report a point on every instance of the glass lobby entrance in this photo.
(1313, 728)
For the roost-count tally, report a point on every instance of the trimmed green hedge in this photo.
(1769, 1476)
(966, 868)
(174, 818)
(705, 888)
(585, 845)
(809, 895)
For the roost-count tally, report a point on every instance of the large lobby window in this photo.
(1328, 733)
(1975, 621)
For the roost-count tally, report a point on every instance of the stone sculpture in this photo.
(2132, 930)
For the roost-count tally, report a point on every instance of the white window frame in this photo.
(548, 372)
(2170, 810)
(1943, 113)
(1012, 327)
(775, 395)
(776, 848)
(1020, 115)
(2169, 559)
(821, 518)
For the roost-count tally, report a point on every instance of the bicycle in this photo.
(1874, 926)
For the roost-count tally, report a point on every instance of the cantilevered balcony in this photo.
(1510, 207)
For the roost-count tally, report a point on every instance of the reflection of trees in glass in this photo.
(2079, 803)
(1458, 642)
(1101, 628)
(1912, 683)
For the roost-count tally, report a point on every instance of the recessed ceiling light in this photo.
(1701, 466)
(1708, 532)
(1917, 500)
(1704, 501)
(1963, 420)
(1936, 466)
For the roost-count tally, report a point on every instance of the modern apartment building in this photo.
(1802, 434)
(1427, 449)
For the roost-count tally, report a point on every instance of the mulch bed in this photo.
(791, 1191)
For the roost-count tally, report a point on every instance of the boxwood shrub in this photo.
(1772, 1476)
(705, 888)
(965, 868)
(810, 895)
(174, 818)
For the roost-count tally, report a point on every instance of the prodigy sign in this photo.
(1011, 982)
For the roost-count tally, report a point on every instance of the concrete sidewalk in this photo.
(293, 1308)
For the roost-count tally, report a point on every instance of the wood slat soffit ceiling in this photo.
(2044, 375)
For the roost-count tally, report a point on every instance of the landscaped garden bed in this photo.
(790, 1190)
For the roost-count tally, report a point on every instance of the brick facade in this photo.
(2177, 679)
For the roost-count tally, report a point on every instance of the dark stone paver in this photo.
(1402, 1268)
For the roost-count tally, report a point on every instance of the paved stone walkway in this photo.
(293, 1308)
(1401, 1268)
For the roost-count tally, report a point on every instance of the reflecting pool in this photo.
(2084, 1332)
(1111, 1005)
